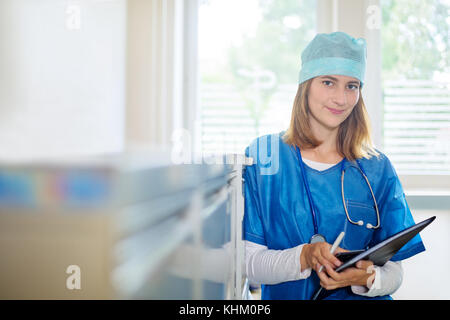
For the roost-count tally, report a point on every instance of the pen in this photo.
(332, 250)
(336, 244)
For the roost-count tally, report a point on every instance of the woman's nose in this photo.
(340, 97)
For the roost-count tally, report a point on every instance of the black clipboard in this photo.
(380, 253)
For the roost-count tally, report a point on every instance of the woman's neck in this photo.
(327, 151)
(318, 155)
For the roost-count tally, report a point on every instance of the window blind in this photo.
(417, 125)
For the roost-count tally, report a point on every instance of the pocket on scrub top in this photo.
(358, 237)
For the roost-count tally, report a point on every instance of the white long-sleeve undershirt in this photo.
(265, 266)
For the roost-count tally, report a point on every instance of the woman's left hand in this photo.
(356, 276)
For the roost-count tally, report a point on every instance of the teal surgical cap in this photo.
(334, 53)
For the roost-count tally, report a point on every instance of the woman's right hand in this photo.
(318, 254)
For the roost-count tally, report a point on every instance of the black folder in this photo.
(379, 254)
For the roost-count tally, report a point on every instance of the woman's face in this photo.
(331, 99)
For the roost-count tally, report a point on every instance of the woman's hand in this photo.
(357, 276)
(318, 254)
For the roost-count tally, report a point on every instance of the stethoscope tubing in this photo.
(308, 192)
(311, 202)
(361, 170)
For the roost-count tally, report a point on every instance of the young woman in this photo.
(296, 202)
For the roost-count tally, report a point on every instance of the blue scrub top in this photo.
(278, 214)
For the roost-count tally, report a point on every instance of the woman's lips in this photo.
(335, 111)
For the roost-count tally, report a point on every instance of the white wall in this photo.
(62, 79)
(426, 275)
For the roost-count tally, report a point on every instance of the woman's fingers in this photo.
(320, 254)
(324, 280)
(328, 282)
(351, 276)
(331, 258)
(339, 250)
(364, 264)
(321, 261)
(333, 274)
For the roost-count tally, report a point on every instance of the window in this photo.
(416, 85)
(249, 60)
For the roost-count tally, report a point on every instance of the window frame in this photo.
(335, 15)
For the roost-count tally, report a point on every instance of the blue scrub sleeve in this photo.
(252, 223)
(395, 215)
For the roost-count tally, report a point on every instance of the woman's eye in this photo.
(353, 87)
(327, 83)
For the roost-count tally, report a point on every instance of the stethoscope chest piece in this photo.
(317, 238)
(360, 222)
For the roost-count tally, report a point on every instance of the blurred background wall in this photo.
(63, 79)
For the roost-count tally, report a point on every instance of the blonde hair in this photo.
(353, 140)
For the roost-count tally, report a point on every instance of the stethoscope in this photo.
(317, 237)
